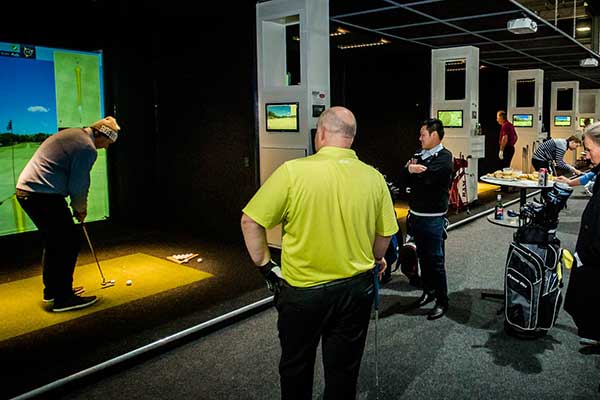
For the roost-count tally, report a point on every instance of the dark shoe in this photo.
(48, 298)
(73, 303)
(437, 312)
(425, 298)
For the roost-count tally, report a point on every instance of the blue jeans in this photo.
(429, 234)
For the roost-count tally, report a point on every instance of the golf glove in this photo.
(501, 155)
(272, 274)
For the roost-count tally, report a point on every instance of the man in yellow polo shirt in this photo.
(337, 219)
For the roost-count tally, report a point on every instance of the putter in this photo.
(105, 284)
(376, 305)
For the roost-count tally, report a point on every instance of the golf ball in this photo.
(129, 282)
(199, 260)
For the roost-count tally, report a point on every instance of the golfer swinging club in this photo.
(59, 168)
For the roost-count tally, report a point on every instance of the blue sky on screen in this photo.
(27, 96)
(281, 110)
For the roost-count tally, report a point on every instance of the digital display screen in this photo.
(523, 120)
(451, 119)
(282, 117)
(582, 121)
(44, 90)
(562, 120)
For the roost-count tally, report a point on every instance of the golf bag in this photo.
(533, 275)
(409, 262)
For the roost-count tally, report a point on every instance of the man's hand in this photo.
(501, 155)
(80, 215)
(382, 266)
(577, 172)
(272, 274)
(416, 168)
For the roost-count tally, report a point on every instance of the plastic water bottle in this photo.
(499, 208)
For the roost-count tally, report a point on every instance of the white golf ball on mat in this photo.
(129, 282)
(199, 259)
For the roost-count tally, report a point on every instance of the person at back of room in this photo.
(60, 168)
(507, 140)
(550, 155)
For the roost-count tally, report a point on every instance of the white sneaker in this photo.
(589, 342)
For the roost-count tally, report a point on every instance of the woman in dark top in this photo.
(583, 295)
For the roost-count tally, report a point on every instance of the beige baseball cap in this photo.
(107, 126)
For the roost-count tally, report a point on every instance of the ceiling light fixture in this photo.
(356, 46)
(340, 32)
(584, 28)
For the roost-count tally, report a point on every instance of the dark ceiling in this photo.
(436, 24)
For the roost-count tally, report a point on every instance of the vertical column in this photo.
(455, 101)
(524, 110)
(293, 81)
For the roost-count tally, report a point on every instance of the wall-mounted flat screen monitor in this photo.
(562, 120)
(523, 120)
(282, 117)
(582, 121)
(564, 99)
(44, 90)
(451, 118)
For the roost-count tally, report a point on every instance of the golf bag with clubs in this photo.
(533, 275)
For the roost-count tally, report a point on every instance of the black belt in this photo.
(337, 282)
(24, 194)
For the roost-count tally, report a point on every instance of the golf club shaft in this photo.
(376, 304)
(87, 237)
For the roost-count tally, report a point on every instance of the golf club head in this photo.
(108, 284)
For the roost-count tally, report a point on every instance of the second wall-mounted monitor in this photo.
(523, 120)
(451, 118)
(282, 117)
(582, 121)
(562, 120)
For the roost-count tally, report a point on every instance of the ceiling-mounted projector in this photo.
(588, 62)
(520, 26)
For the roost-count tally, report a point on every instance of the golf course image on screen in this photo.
(523, 120)
(44, 90)
(282, 117)
(451, 119)
(562, 120)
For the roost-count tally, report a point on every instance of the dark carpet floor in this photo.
(465, 355)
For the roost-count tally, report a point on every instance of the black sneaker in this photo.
(50, 298)
(73, 303)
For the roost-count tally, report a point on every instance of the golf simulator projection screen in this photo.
(582, 121)
(44, 90)
(562, 120)
(282, 117)
(523, 120)
(451, 119)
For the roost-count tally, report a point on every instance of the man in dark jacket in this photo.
(429, 175)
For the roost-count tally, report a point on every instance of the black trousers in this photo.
(61, 240)
(509, 152)
(337, 313)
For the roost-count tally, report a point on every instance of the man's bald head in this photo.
(339, 121)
